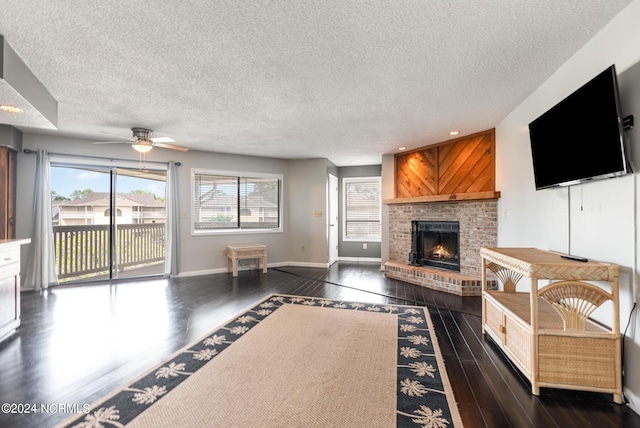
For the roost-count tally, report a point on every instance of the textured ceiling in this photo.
(341, 79)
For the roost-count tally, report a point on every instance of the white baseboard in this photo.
(634, 400)
(269, 265)
(307, 264)
(360, 259)
(200, 272)
(249, 267)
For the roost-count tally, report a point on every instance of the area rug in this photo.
(296, 362)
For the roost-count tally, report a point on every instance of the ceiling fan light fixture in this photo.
(10, 108)
(142, 146)
(143, 143)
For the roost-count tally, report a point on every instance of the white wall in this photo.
(595, 220)
(307, 217)
(304, 193)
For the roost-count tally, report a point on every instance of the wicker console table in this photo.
(546, 332)
(246, 251)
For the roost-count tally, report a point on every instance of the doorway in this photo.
(108, 222)
(332, 218)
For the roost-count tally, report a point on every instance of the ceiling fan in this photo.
(142, 141)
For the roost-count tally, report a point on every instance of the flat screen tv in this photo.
(582, 137)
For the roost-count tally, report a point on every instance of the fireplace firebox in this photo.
(436, 243)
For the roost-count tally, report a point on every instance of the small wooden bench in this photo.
(246, 251)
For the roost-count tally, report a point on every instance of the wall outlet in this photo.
(224, 252)
(302, 248)
(364, 246)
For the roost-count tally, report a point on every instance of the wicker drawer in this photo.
(494, 320)
(579, 361)
(517, 339)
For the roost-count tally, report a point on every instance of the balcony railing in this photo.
(83, 251)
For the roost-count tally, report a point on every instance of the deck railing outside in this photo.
(83, 251)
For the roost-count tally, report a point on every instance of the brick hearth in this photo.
(478, 228)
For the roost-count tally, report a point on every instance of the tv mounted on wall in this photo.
(582, 137)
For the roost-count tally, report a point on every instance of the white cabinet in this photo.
(10, 285)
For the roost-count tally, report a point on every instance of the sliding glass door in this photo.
(139, 222)
(109, 222)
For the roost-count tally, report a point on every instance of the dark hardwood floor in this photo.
(78, 343)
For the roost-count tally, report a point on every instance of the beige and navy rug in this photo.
(294, 361)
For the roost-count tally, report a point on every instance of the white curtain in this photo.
(41, 266)
(172, 226)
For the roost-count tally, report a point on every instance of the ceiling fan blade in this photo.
(170, 146)
(163, 140)
(120, 136)
(111, 142)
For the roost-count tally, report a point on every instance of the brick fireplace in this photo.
(478, 227)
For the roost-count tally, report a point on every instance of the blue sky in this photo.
(66, 180)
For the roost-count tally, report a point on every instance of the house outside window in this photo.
(234, 202)
(362, 209)
(135, 208)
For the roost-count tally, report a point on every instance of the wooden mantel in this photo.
(443, 198)
(462, 169)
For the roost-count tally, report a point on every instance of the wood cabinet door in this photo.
(8, 160)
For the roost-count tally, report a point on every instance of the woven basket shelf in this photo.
(547, 332)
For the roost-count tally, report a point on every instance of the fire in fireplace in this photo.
(436, 243)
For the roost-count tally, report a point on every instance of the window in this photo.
(362, 209)
(107, 212)
(226, 202)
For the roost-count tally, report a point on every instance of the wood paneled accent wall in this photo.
(464, 166)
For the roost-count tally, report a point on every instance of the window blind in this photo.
(222, 202)
(362, 208)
